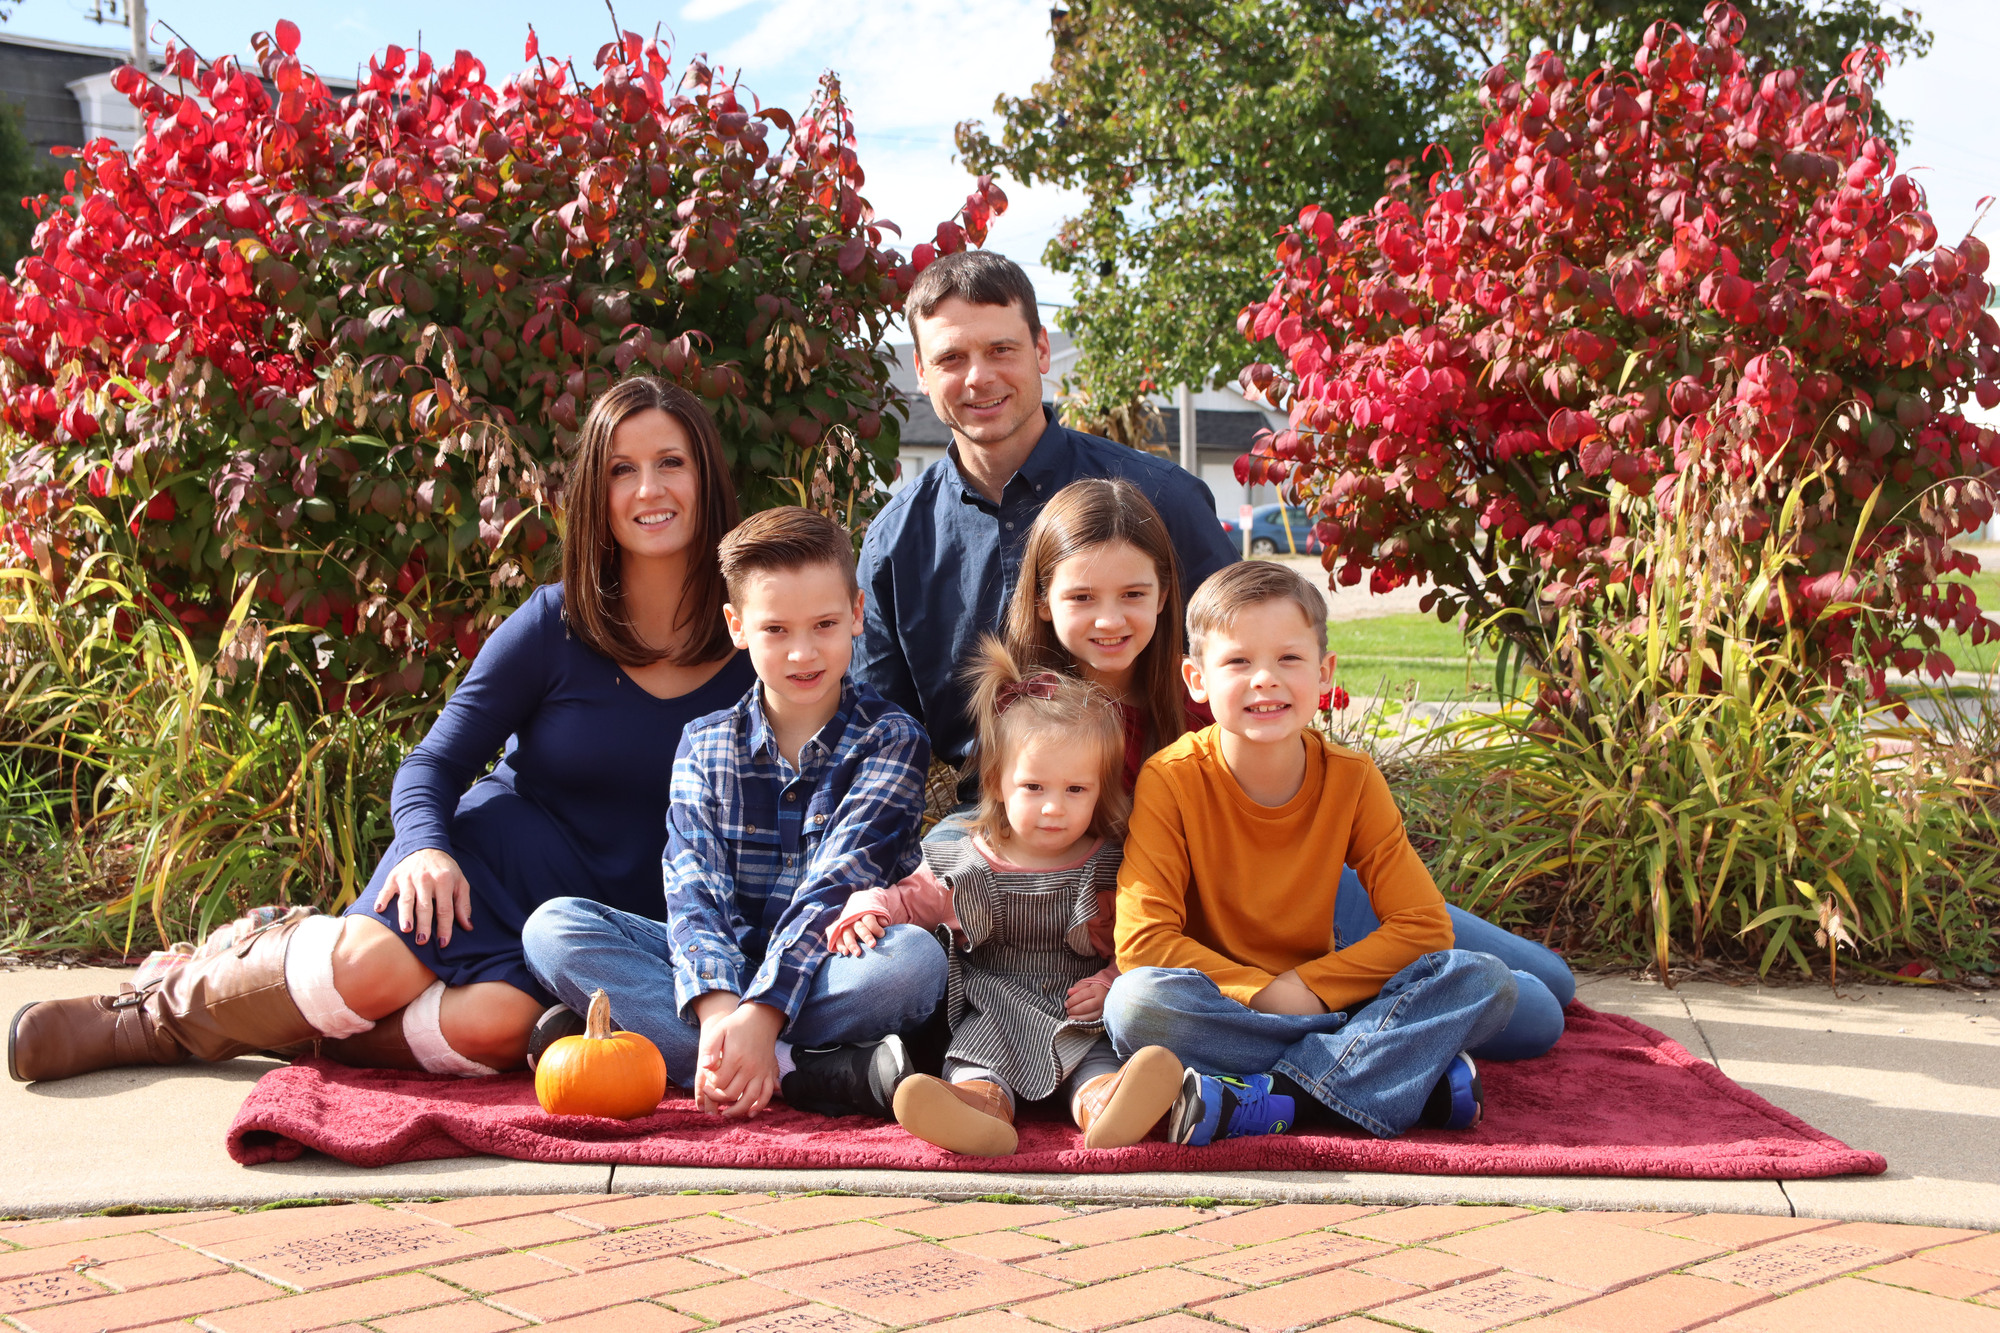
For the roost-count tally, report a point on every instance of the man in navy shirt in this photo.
(940, 560)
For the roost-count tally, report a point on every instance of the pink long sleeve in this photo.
(921, 899)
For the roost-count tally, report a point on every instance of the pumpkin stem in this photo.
(597, 1024)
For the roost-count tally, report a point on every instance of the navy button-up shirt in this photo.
(761, 856)
(940, 561)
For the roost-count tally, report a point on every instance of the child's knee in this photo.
(920, 966)
(1137, 1009)
(1534, 1027)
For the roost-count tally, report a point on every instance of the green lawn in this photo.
(1388, 654)
(1385, 655)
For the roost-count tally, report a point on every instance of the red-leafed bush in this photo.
(1684, 286)
(338, 346)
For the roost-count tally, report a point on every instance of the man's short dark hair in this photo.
(978, 277)
(778, 541)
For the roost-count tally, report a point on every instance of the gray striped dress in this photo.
(1026, 943)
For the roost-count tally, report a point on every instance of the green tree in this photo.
(25, 171)
(1195, 129)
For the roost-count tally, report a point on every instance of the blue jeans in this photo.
(1375, 1064)
(1543, 979)
(575, 946)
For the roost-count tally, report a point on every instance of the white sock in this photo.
(785, 1062)
(427, 1041)
(309, 977)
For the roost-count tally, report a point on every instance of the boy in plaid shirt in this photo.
(808, 789)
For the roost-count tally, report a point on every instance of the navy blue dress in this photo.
(576, 807)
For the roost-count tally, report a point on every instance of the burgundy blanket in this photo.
(1614, 1098)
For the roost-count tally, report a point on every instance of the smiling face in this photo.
(983, 371)
(1104, 604)
(798, 625)
(1262, 674)
(654, 486)
(1051, 784)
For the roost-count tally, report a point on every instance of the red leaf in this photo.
(287, 34)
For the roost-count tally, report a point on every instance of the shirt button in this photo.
(791, 796)
(1010, 527)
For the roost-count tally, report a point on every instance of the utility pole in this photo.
(140, 56)
(1184, 401)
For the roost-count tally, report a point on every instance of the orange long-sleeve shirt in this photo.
(1242, 891)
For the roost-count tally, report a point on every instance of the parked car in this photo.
(1277, 529)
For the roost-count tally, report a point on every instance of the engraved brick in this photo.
(154, 1305)
(1278, 1221)
(630, 1247)
(1120, 1257)
(314, 1248)
(1798, 1261)
(1306, 1300)
(1297, 1257)
(1474, 1307)
(53, 1288)
(912, 1284)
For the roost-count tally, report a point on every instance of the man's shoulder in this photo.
(922, 492)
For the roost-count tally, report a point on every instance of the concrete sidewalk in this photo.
(1914, 1075)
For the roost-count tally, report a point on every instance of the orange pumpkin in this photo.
(615, 1074)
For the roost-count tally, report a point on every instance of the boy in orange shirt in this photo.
(1225, 903)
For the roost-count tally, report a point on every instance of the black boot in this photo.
(847, 1080)
(557, 1021)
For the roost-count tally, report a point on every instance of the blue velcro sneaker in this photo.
(1467, 1098)
(1213, 1107)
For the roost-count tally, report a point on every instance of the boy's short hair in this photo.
(1225, 594)
(977, 277)
(783, 539)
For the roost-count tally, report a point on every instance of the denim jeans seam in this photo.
(1402, 997)
(1334, 1104)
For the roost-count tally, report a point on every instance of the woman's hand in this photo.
(430, 893)
(1287, 995)
(860, 933)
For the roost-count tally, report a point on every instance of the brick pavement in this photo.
(831, 1263)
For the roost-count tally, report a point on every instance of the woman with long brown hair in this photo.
(581, 696)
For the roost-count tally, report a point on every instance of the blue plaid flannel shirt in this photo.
(761, 856)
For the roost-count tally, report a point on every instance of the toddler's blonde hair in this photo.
(1010, 705)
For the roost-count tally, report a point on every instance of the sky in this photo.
(912, 69)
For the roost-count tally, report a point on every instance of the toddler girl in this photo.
(1022, 899)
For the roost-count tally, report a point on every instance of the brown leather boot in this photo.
(212, 1009)
(1118, 1109)
(381, 1047)
(975, 1118)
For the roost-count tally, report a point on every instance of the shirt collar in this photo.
(764, 741)
(1049, 466)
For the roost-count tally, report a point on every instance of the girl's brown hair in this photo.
(1086, 514)
(593, 594)
(1010, 705)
